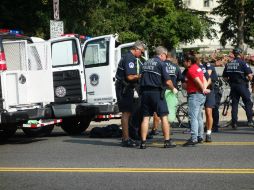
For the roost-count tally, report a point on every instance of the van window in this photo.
(64, 53)
(96, 53)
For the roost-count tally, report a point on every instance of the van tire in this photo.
(74, 125)
(7, 131)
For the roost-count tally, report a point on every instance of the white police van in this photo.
(44, 81)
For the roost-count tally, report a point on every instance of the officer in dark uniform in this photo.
(238, 73)
(210, 99)
(127, 76)
(155, 75)
(176, 76)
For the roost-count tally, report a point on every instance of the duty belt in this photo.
(151, 88)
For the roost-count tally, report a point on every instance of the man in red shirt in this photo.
(196, 88)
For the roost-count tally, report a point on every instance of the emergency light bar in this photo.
(81, 37)
(12, 32)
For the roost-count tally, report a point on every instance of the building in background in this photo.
(207, 45)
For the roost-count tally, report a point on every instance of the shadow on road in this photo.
(94, 141)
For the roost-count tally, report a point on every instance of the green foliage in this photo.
(157, 22)
(230, 10)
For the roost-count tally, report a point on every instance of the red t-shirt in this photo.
(194, 71)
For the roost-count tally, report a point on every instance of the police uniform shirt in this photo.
(174, 72)
(236, 71)
(213, 76)
(204, 71)
(127, 66)
(154, 73)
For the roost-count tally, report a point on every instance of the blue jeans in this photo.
(195, 107)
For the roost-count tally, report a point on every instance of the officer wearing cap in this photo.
(127, 76)
(155, 75)
(238, 73)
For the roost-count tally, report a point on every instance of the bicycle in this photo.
(225, 109)
(182, 115)
(182, 110)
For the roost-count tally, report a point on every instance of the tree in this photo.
(157, 22)
(237, 25)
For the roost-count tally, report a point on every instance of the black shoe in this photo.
(154, 132)
(129, 143)
(250, 124)
(189, 142)
(200, 140)
(169, 144)
(142, 145)
(234, 126)
(208, 138)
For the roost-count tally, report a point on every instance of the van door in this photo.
(28, 78)
(99, 62)
(68, 70)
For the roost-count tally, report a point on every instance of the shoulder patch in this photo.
(131, 65)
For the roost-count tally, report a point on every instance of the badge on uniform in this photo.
(131, 65)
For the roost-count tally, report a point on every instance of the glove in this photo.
(175, 91)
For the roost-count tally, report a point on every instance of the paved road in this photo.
(79, 162)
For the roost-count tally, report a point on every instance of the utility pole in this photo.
(56, 9)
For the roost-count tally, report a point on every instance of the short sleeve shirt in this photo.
(213, 76)
(193, 72)
(174, 72)
(236, 71)
(127, 66)
(204, 69)
(154, 73)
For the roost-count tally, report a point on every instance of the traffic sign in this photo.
(56, 28)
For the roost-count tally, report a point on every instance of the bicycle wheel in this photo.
(182, 115)
(225, 116)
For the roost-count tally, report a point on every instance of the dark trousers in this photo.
(216, 114)
(237, 91)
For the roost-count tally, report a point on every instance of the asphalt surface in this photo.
(79, 162)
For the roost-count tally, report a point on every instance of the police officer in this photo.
(171, 97)
(154, 77)
(238, 74)
(127, 76)
(210, 99)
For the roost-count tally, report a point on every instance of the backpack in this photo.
(110, 131)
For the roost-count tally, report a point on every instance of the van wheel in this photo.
(7, 131)
(39, 132)
(75, 126)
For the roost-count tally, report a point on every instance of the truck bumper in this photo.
(82, 109)
(24, 115)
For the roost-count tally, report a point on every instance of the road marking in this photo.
(210, 144)
(134, 170)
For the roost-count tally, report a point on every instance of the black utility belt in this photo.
(150, 88)
(124, 83)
